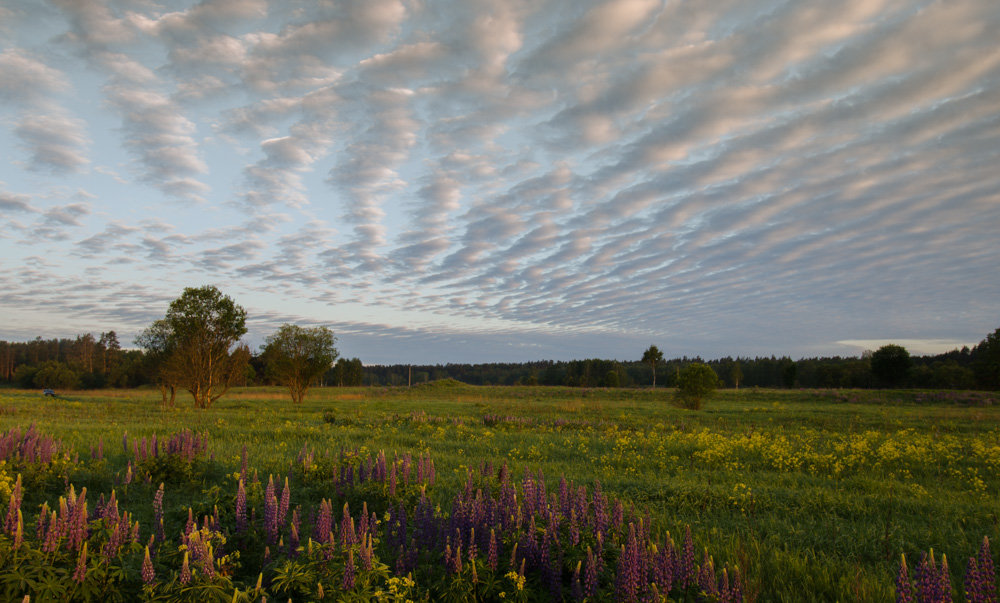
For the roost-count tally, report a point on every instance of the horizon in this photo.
(486, 183)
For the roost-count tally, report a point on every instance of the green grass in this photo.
(814, 494)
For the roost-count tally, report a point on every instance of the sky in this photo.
(478, 181)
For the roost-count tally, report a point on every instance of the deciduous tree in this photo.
(652, 357)
(891, 364)
(202, 330)
(298, 356)
(156, 341)
(694, 382)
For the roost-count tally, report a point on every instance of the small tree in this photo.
(156, 341)
(652, 357)
(298, 356)
(891, 364)
(736, 374)
(694, 382)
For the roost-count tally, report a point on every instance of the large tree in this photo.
(652, 357)
(891, 364)
(298, 356)
(986, 361)
(203, 328)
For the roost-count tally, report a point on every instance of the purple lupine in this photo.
(81, 565)
(590, 575)
(987, 573)
(392, 480)
(241, 507)
(271, 511)
(19, 531)
(43, 515)
(686, 572)
(492, 553)
(348, 581)
(929, 581)
(148, 575)
(367, 551)
(10, 523)
(617, 515)
(185, 570)
(348, 536)
(283, 505)
(973, 585)
(324, 521)
(630, 570)
(52, 535)
(706, 575)
(576, 588)
(293, 538)
(77, 531)
(600, 509)
(158, 513)
(944, 580)
(574, 528)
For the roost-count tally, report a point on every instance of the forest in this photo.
(93, 362)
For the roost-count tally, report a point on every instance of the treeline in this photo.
(89, 362)
(976, 368)
(96, 362)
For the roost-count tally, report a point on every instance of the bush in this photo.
(56, 375)
(695, 382)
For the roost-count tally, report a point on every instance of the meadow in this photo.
(804, 495)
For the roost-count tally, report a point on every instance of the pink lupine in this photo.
(81, 565)
(349, 571)
(10, 523)
(148, 574)
(185, 576)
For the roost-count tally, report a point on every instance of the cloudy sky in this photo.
(508, 180)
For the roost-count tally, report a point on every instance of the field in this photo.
(813, 495)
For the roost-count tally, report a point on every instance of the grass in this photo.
(814, 494)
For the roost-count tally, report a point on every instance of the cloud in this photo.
(13, 202)
(162, 140)
(54, 140)
(723, 177)
(25, 79)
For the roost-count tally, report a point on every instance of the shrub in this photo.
(695, 382)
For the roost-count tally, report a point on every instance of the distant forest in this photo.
(89, 362)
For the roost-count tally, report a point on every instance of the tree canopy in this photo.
(198, 341)
(653, 356)
(298, 356)
(695, 381)
(986, 361)
(891, 364)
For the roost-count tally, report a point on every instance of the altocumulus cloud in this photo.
(514, 180)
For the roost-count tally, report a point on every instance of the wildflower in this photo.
(491, 553)
(148, 575)
(185, 570)
(241, 507)
(348, 582)
(81, 565)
